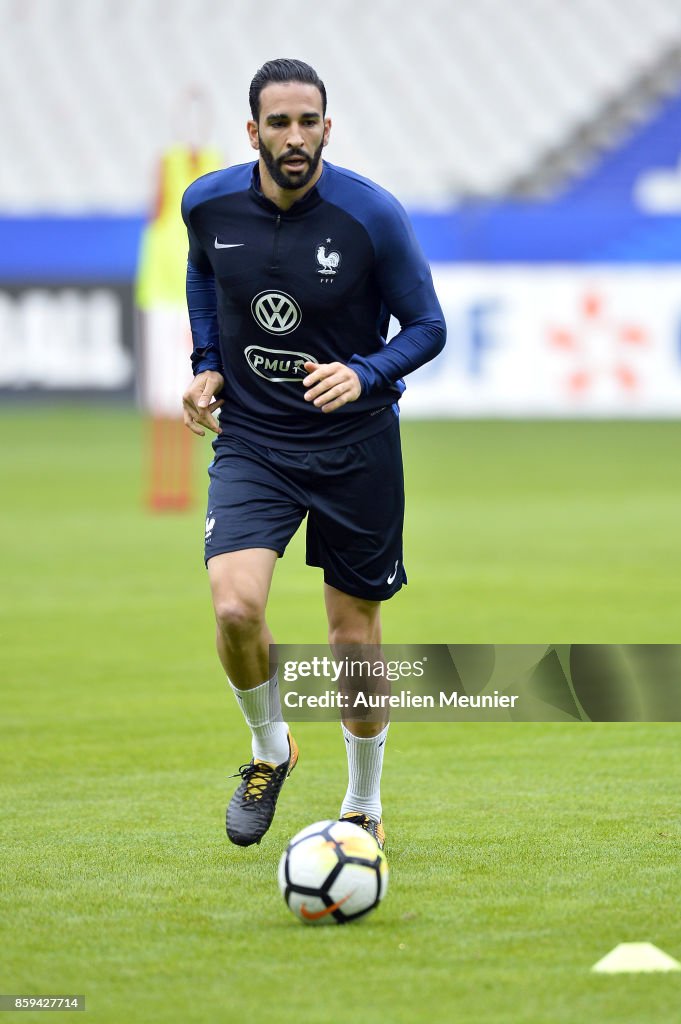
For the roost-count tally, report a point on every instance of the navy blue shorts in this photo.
(353, 498)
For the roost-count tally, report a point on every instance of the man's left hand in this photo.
(331, 385)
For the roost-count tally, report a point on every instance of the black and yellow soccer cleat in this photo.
(251, 809)
(370, 825)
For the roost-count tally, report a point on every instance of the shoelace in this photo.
(369, 825)
(257, 778)
(358, 819)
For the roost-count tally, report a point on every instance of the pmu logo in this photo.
(276, 312)
(276, 364)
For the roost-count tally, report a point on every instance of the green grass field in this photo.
(520, 854)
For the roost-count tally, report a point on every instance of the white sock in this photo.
(365, 763)
(262, 710)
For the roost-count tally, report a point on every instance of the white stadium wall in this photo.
(554, 341)
(433, 100)
(67, 339)
(537, 341)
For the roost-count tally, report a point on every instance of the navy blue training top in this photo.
(269, 289)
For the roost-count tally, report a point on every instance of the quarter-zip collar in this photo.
(298, 209)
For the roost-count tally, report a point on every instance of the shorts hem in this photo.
(227, 549)
(354, 591)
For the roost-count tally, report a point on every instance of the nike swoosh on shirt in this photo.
(391, 577)
(228, 245)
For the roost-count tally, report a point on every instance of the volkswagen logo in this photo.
(276, 312)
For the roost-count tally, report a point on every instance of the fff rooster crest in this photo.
(329, 259)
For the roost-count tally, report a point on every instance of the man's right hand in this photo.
(199, 402)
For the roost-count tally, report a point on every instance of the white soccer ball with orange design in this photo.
(332, 872)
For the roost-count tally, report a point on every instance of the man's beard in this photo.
(280, 176)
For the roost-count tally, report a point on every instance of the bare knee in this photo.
(355, 630)
(239, 616)
(352, 620)
(344, 636)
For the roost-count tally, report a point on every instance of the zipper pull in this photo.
(275, 247)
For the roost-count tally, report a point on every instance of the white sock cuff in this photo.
(255, 703)
(275, 700)
(351, 738)
(365, 764)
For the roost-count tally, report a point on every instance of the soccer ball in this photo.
(332, 872)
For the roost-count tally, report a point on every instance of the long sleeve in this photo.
(202, 301)
(421, 338)
(203, 317)
(406, 286)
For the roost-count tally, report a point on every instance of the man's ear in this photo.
(327, 131)
(253, 134)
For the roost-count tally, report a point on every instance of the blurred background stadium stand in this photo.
(535, 143)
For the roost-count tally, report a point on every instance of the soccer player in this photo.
(294, 268)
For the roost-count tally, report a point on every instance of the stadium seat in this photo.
(436, 101)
